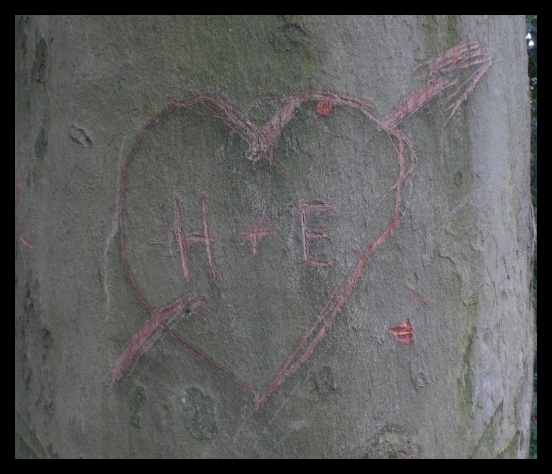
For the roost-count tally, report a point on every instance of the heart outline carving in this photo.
(261, 143)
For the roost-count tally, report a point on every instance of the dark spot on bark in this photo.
(20, 35)
(458, 179)
(29, 301)
(41, 144)
(80, 136)
(40, 66)
(47, 341)
(324, 382)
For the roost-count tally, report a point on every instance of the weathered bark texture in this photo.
(261, 237)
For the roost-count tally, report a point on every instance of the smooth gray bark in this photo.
(118, 176)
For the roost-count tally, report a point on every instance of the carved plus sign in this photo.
(255, 233)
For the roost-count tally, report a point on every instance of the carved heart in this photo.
(197, 262)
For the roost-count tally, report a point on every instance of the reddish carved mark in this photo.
(404, 333)
(462, 56)
(417, 296)
(135, 346)
(307, 234)
(19, 188)
(324, 108)
(261, 142)
(185, 240)
(255, 234)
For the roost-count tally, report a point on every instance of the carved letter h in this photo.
(185, 240)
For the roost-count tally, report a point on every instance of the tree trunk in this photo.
(272, 237)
